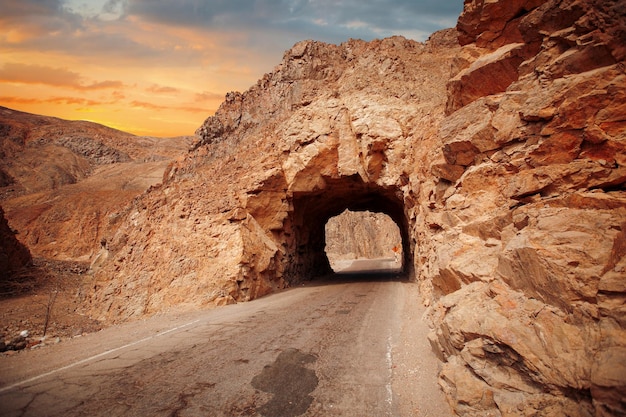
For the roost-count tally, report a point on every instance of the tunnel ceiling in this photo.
(349, 193)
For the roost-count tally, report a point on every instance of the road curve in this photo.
(348, 346)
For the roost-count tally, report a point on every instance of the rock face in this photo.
(499, 151)
(13, 255)
(332, 128)
(354, 235)
(528, 254)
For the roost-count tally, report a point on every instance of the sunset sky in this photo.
(160, 67)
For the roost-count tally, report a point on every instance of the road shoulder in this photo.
(415, 366)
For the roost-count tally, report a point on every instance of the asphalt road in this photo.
(353, 345)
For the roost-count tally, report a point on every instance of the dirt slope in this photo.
(63, 184)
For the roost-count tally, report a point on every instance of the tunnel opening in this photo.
(312, 210)
(363, 242)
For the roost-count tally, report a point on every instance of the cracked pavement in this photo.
(356, 345)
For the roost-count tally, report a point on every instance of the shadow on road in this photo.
(364, 270)
(377, 276)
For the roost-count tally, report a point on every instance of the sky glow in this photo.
(160, 67)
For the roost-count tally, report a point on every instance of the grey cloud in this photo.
(386, 15)
(304, 17)
(23, 8)
(189, 12)
(112, 6)
(38, 15)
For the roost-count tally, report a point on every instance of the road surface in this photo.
(353, 345)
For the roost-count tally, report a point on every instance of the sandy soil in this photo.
(48, 297)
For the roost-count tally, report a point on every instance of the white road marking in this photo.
(99, 355)
(390, 376)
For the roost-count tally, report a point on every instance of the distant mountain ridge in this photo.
(61, 180)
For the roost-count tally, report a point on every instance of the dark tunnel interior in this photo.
(311, 211)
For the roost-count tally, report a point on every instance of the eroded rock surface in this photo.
(362, 235)
(498, 149)
(530, 235)
(13, 254)
(333, 127)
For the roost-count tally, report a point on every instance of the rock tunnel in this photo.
(312, 210)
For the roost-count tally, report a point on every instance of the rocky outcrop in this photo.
(13, 255)
(334, 127)
(498, 150)
(361, 235)
(528, 254)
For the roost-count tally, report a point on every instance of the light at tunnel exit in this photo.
(363, 241)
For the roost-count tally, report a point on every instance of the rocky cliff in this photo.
(334, 127)
(527, 238)
(497, 148)
(13, 255)
(361, 235)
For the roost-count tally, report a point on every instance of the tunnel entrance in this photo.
(363, 242)
(312, 210)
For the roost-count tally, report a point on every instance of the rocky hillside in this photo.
(498, 150)
(527, 230)
(62, 182)
(13, 255)
(244, 213)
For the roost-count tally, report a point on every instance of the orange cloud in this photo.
(146, 105)
(51, 100)
(207, 95)
(101, 85)
(157, 107)
(37, 74)
(59, 77)
(162, 89)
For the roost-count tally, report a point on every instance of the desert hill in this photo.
(63, 185)
(62, 182)
(498, 150)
